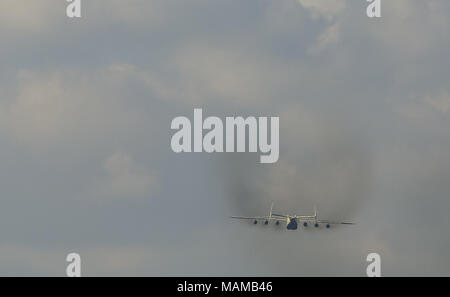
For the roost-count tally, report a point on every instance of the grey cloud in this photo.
(86, 106)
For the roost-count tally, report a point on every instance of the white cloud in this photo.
(240, 78)
(332, 12)
(44, 16)
(324, 8)
(407, 28)
(426, 108)
(125, 178)
(440, 102)
(203, 74)
(29, 16)
(328, 37)
(410, 28)
(68, 107)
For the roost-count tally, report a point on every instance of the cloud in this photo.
(202, 74)
(397, 32)
(93, 99)
(68, 108)
(241, 78)
(400, 31)
(23, 260)
(45, 16)
(328, 37)
(125, 179)
(117, 260)
(430, 107)
(29, 16)
(440, 102)
(324, 8)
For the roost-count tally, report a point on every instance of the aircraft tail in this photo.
(271, 208)
(315, 211)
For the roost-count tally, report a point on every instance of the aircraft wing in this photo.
(334, 222)
(273, 218)
(279, 215)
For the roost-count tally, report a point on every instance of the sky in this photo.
(85, 112)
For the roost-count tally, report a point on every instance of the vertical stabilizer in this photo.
(271, 208)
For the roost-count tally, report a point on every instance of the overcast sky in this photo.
(86, 163)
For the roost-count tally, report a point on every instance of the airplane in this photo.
(292, 221)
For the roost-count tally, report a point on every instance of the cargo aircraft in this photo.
(292, 221)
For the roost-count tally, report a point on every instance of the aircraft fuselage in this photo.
(291, 224)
